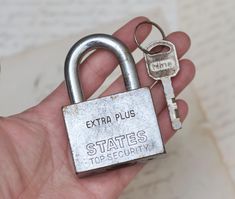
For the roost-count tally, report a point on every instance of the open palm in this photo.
(35, 158)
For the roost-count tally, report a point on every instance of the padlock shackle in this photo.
(80, 48)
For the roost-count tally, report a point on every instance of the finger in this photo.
(99, 65)
(181, 41)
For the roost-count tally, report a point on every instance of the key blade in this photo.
(174, 114)
(171, 103)
(162, 66)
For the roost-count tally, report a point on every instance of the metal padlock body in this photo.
(111, 131)
(162, 64)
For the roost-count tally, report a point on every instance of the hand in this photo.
(35, 159)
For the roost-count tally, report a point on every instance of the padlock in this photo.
(111, 131)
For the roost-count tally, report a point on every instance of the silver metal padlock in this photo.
(112, 131)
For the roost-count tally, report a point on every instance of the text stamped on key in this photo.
(162, 64)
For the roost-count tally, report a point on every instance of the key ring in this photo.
(145, 50)
(153, 24)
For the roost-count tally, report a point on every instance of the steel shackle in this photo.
(80, 48)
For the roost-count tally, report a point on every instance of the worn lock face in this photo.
(112, 131)
(164, 63)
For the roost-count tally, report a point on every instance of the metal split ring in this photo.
(153, 24)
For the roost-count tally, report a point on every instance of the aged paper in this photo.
(211, 25)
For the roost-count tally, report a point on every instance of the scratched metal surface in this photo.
(124, 123)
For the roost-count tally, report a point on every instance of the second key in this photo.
(162, 66)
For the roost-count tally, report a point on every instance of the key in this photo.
(162, 66)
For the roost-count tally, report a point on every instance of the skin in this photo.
(34, 151)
